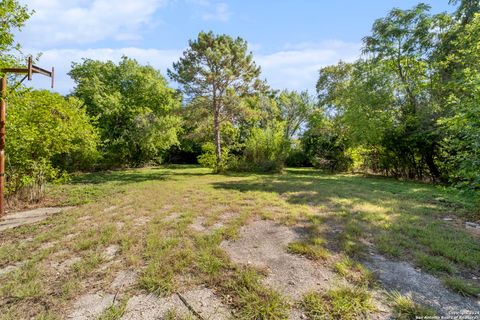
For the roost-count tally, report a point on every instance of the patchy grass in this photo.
(252, 300)
(400, 219)
(343, 303)
(24, 283)
(354, 272)
(311, 249)
(88, 264)
(115, 311)
(404, 308)
(462, 287)
(433, 264)
(148, 214)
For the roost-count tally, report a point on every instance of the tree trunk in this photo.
(218, 142)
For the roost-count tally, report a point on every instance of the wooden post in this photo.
(3, 113)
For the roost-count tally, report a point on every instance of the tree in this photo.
(405, 42)
(12, 18)
(324, 143)
(217, 70)
(294, 110)
(466, 10)
(48, 134)
(463, 125)
(134, 107)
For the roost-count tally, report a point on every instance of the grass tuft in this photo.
(114, 312)
(343, 303)
(88, 264)
(253, 300)
(466, 289)
(311, 249)
(354, 271)
(433, 264)
(404, 308)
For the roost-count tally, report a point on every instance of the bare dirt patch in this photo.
(90, 306)
(172, 216)
(16, 219)
(422, 287)
(200, 224)
(124, 279)
(59, 267)
(262, 244)
(141, 221)
(202, 300)
(111, 208)
(111, 251)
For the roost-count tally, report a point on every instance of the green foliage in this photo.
(208, 158)
(12, 16)
(47, 134)
(217, 70)
(324, 145)
(296, 156)
(409, 106)
(295, 109)
(134, 107)
(463, 125)
(265, 149)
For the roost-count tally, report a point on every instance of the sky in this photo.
(290, 39)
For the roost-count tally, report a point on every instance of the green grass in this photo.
(462, 287)
(88, 264)
(404, 308)
(253, 300)
(343, 303)
(354, 272)
(342, 214)
(24, 283)
(434, 264)
(310, 249)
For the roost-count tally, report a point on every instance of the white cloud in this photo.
(87, 21)
(220, 13)
(61, 59)
(295, 69)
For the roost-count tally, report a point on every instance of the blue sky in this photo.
(290, 39)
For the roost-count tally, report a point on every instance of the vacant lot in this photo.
(180, 243)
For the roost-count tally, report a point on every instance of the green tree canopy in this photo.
(217, 70)
(12, 18)
(295, 109)
(134, 107)
(47, 133)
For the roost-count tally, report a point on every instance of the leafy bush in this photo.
(47, 135)
(326, 150)
(208, 158)
(297, 157)
(265, 150)
(134, 106)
